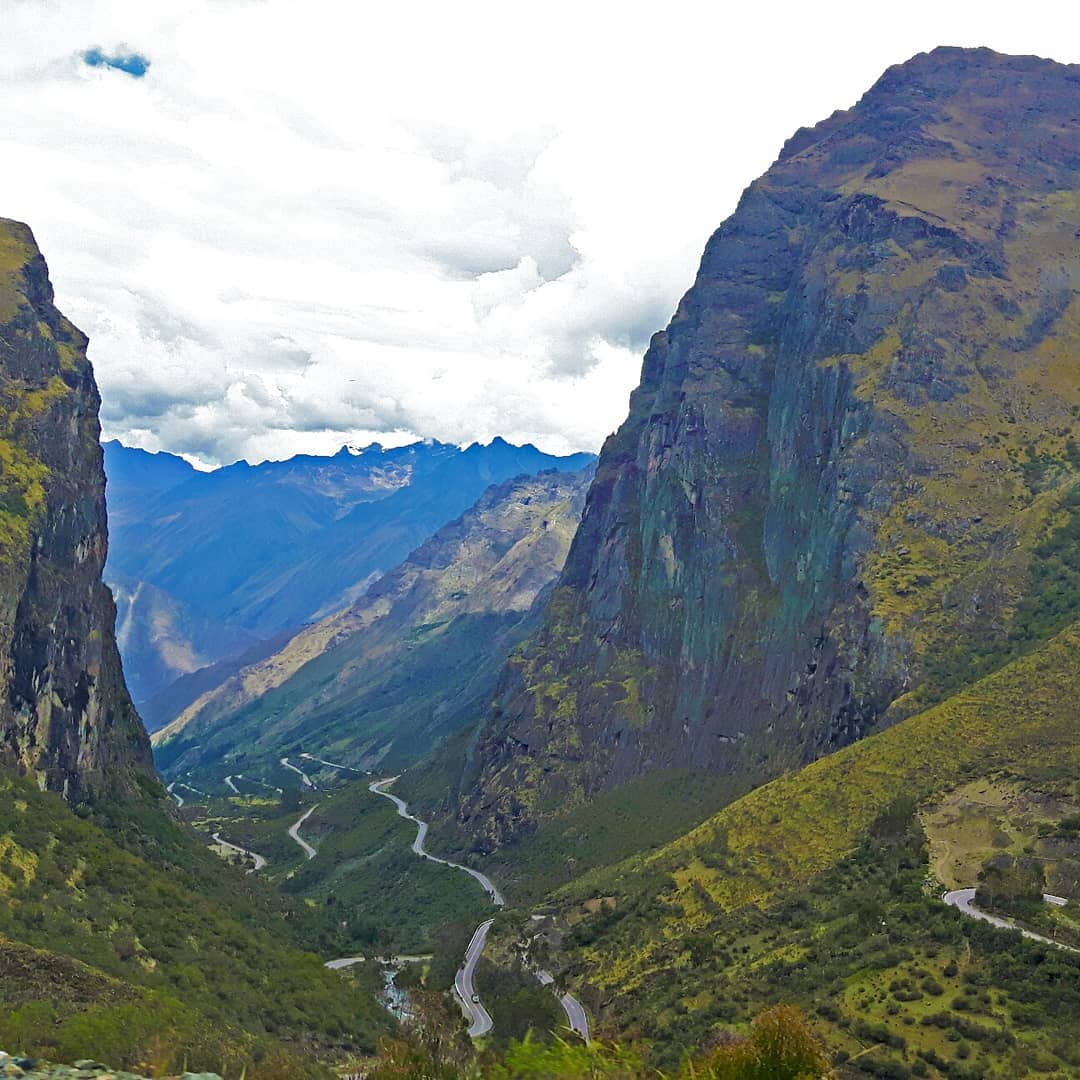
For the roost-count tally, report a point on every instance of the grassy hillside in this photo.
(817, 887)
(107, 955)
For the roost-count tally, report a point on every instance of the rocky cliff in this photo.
(847, 469)
(65, 715)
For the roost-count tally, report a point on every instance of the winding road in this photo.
(576, 1016)
(303, 775)
(480, 1022)
(331, 764)
(379, 788)
(260, 860)
(179, 798)
(294, 832)
(480, 1018)
(964, 901)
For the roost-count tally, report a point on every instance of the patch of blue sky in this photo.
(131, 63)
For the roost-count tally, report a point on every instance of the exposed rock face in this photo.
(842, 454)
(412, 660)
(65, 714)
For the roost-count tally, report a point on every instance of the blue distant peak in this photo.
(133, 64)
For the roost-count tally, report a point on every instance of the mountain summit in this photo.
(850, 468)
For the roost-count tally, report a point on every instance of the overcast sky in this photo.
(316, 223)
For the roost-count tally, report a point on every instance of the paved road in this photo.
(229, 782)
(294, 832)
(260, 860)
(187, 787)
(303, 775)
(379, 788)
(331, 764)
(963, 900)
(576, 1016)
(479, 1017)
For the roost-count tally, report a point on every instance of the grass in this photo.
(141, 961)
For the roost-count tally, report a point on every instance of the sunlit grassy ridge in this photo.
(768, 843)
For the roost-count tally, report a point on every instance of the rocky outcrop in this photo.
(65, 714)
(845, 452)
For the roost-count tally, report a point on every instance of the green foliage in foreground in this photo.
(780, 1046)
(164, 973)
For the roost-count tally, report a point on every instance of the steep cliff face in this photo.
(848, 453)
(65, 715)
(412, 661)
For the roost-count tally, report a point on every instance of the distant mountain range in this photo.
(412, 661)
(204, 565)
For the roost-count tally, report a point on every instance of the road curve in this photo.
(179, 798)
(260, 860)
(294, 832)
(307, 781)
(229, 782)
(331, 764)
(964, 900)
(576, 1016)
(378, 787)
(479, 1018)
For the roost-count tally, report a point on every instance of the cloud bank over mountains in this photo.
(289, 226)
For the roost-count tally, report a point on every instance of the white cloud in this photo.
(323, 222)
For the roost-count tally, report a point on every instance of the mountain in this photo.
(65, 715)
(120, 934)
(846, 485)
(245, 553)
(412, 661)
(134, 475)
(822, 888)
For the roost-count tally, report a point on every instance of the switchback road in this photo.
(964, 900)
(479, 1017)
(260, 860)
(294, 832)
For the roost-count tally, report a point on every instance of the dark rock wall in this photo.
(65, 714)
(795, 513)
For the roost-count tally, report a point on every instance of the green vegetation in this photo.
(902, 985)
(367, 874)
(780, 1045)
(804, 890)
(1050, 600)
(638, 817)
(141, 965)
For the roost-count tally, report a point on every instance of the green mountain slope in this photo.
(412, 661)
(834, 497)
(813, 887)
(120, 935)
